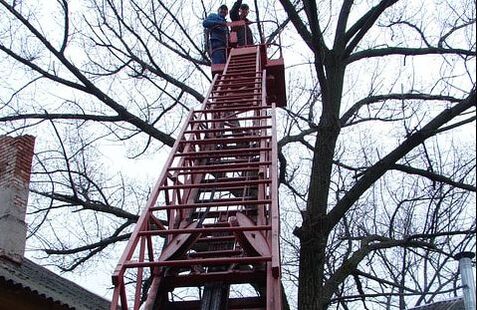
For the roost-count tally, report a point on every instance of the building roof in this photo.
(449, 304)
(42, 282)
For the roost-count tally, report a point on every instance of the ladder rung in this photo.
(233, 110)
(235, 184)
(252, 82)
(227, 140)
(216, 204)
(216, 238)
(228, 129)
(203, 262)
(236, 152)
(243, 62)
(210, 190)
(220, 224)
(235, 93)
(236, 101)
(213, 170)
(227, 166)
(225, 162)
(249, 63)
(242, 72)
(233, 105)
(255, 74)
(177, 231)
(244, 57)
(232, 179)
(237, 90)
(229, 212)
(235, 119)
(215, 253)
(234, 79)
(241, 68)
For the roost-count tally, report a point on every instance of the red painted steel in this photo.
(213, 216)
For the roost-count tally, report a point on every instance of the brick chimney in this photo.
(16, 156)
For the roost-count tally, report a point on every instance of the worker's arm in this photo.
(234, 12)
(213, 20)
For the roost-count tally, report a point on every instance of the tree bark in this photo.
(315, 230)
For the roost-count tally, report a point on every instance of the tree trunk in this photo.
(312, 262)
(315, 230)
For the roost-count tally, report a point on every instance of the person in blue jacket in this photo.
(218, 33)
(238, 12)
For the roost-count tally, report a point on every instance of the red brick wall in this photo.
(16, 156)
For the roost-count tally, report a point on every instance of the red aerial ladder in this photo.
(208, 238)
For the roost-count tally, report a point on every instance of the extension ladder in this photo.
(209, 236)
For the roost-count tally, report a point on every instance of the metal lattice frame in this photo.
(215, 204)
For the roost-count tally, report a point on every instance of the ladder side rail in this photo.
(119, 294)
(263, 123)
(275, 264)
(190, 190)
(275, 211)
(194, 122)
(140, 273)
(116, 301)
(182, 192)
(258, 68)
(175, 215)
(273, 174)
(179, 195)
(273, 288)
(118, 275)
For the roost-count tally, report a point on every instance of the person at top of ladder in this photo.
(218, 34)
(239, 12)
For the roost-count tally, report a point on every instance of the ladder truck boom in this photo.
(208, 238)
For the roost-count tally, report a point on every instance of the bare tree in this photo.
(377, 150)
(347, 215)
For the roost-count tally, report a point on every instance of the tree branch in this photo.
(433, 176)
(362, 26)
(88, 87)
(374, 99)
(340, 36)
(348, 266)
(102, 243)
(384, 281)
(298, 22)
(89, 205)
(381, 167)
(64, 116)
(407, 51)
